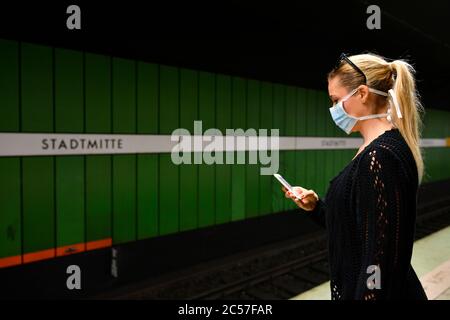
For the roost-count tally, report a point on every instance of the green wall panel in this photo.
(311, 128)
(300, 130)
(252, 170)
(223, 172)
(189, 204)
(238, 172)
(290, 130)
(147, 164)
(98, 120)
(279, 203)
(37, 115)
(69, 174)
(168, 172)
(9, 84)
(206, 172)
(266, 182)
(10, 206)
(10, 168)
(124, 166)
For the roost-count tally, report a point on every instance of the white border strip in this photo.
(433, 143)
(43, 144)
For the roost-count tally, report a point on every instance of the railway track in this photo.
(242, 285)
(280, 271)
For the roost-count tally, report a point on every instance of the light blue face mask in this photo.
(345, 121)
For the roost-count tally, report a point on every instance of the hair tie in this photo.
(393, 70)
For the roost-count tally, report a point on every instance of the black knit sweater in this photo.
(369, 212)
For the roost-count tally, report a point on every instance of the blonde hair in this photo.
(384, 75)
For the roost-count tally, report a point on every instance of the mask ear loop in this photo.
(395, 102)
(392, 94)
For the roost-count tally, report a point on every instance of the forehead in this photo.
(335, 89)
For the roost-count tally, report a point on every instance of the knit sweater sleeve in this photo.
(318, 214)
(380, 199)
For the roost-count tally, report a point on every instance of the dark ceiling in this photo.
(294, 42)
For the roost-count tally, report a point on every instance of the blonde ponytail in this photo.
(410, 125)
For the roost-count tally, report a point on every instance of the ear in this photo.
(363, 93)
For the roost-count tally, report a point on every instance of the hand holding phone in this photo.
(304, 198)
(286, 185)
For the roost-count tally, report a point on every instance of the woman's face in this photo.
(356, 105)
(337, 92)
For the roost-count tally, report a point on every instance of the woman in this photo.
(370, 207)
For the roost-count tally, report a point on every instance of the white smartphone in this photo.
(285, 184)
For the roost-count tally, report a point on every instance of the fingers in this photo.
(298, 189)
(309, 197)
(310, 194)
(295, 197)
(301, 196)
(288, 194)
